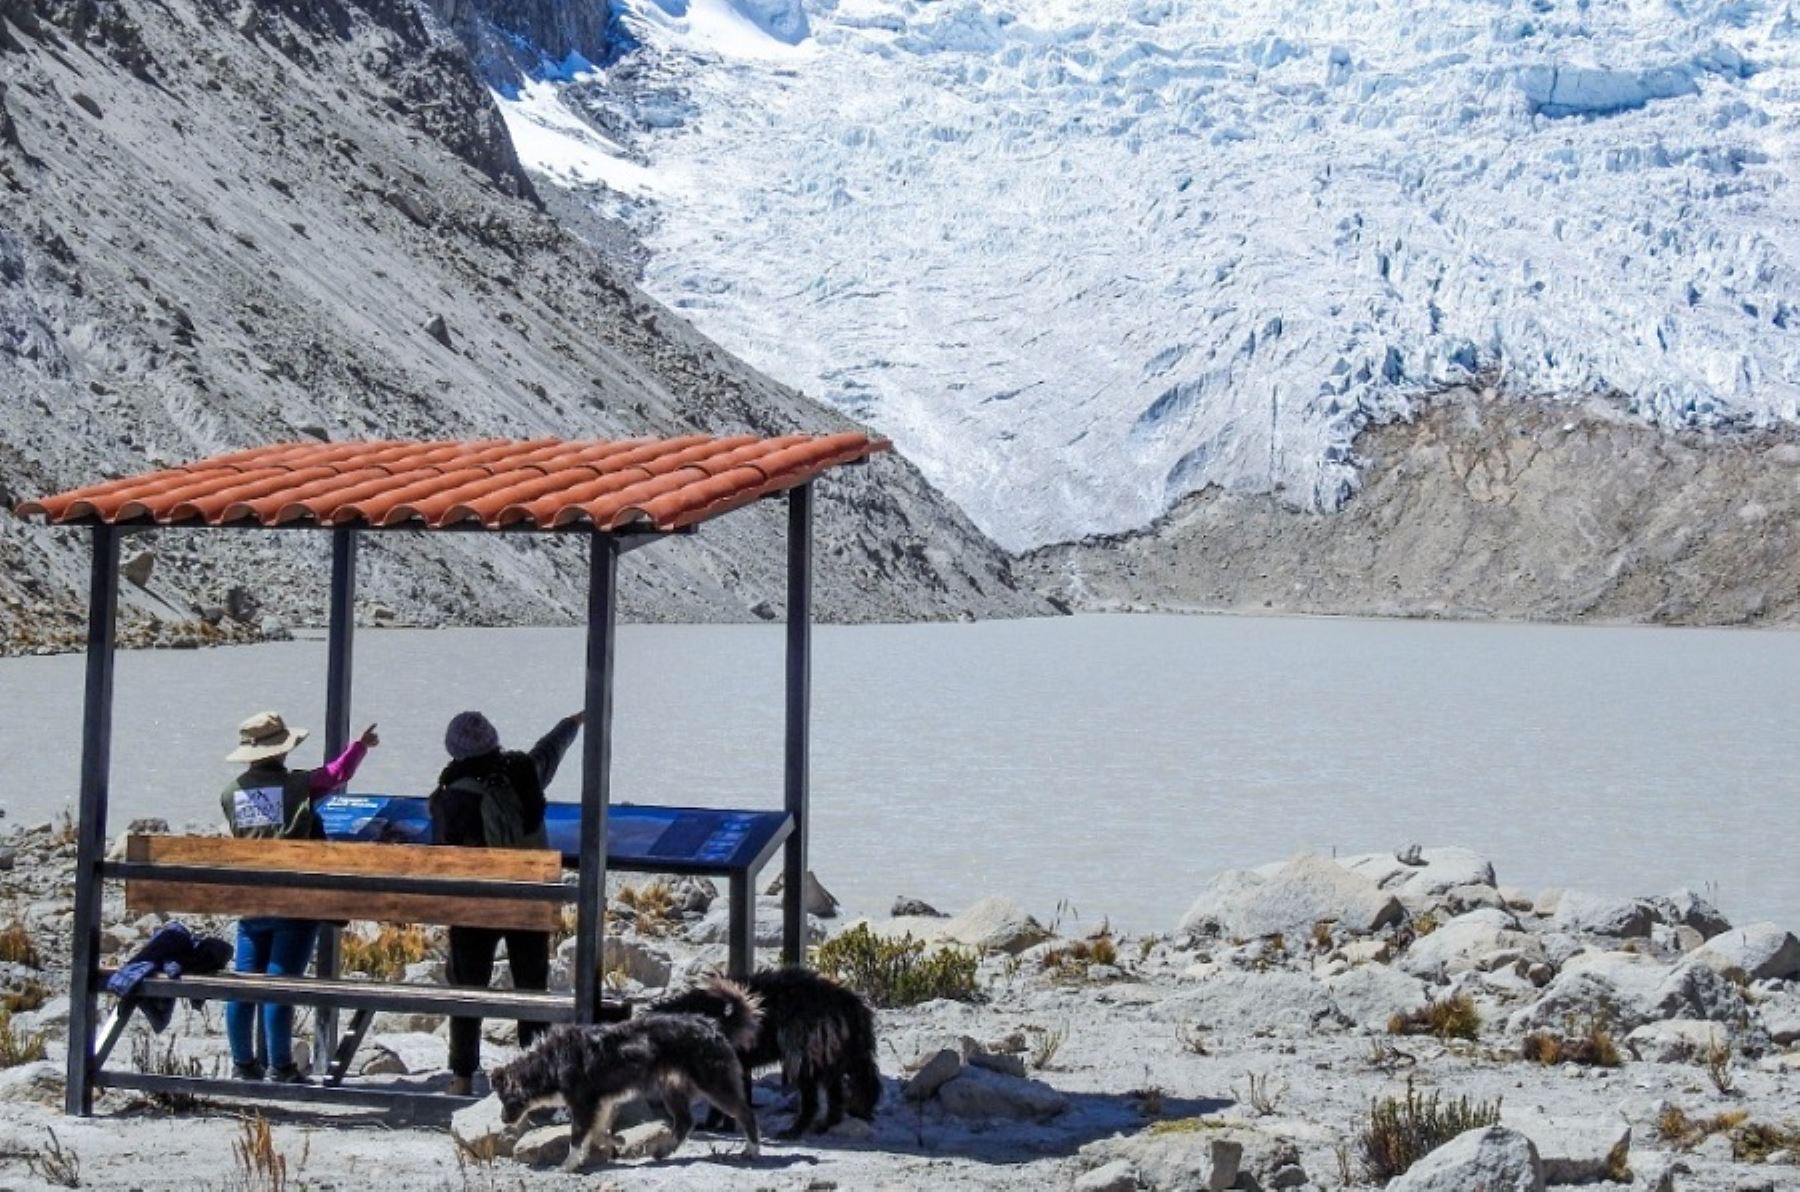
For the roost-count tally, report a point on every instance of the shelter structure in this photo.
(618, 495)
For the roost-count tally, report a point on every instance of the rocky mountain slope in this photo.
(1485, 508)
(225, 222)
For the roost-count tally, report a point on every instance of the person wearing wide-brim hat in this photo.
(270, 801)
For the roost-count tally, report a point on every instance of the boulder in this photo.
(1461, 899)
(1461, 944)
(1684, 908)
(646, 1140)
(543, 1146)
(40, 1081)
(1202, 1158)
(979, 1093)
(995, 924)
(1574, 1150)
(417, 1051)
(1117, 1176)
(1373, 993)
(644, 964)
(1780, 1015)
(1418, 874)
(1305, 891)
(916, 908)
(817, 899)
(1676, 1041)
(139, 567)
(1492, 1158)
(1626, 990)
(1763, 951)
(1580, 913)
(943, 1066)
(480, 1131)
(1243, 1002)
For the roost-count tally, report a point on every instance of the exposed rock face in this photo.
(1485, 509)
(1305, 891)
(1763, 951)
(1597, 914)
(247, 250)
(494, 30)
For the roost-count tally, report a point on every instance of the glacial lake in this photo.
(1110, 764)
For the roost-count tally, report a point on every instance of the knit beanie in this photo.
(470, 735)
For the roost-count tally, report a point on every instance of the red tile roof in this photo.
(662, 484)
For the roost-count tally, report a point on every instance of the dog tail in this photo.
(859, 1063)
(741, 1014)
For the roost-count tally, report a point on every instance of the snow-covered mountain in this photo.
(1080, 259)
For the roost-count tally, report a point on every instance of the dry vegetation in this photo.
(385, 955)
(1073, 960)
(1591, 1046)
(650, 908)
(1453, 1017)
(16, 946)
(1402, 1130)
(17, 1046)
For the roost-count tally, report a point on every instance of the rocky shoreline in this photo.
(1275, 1038)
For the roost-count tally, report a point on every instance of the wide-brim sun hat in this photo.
(263, 736)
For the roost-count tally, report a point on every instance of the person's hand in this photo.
(579, 718)
(370, 738)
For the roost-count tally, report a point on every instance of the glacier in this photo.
(1081, 260)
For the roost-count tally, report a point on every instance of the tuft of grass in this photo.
(16, 1046)
(30, 995)
(1755, 1142)
(66, 830)
(1400, 1131)
(260, 1167)
(385, 955)
(1192, 1125)
(1717, 1059)
(1424, 925)
(1192, 1038)
(1260, 1095)
(896, 972)
(1321, 936)
(1453, 1017)
(1751, 1142)
(1150, 1100)
(17, 947)
(1591, 1046)
(146, 1057)
(1045, 1043)
(1072, 961)
(55, 1164)
(650, 908)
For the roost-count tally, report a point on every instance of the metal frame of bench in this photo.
(605, 550)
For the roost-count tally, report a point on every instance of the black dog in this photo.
(821, 1034)
(592, 1070)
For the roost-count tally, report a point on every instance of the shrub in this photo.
(1401, 1131)
(16, 1046)
(147, 1057)
(260, 1167)
(16, 946)
(650, 907)
(1073, 960)
(1046, 1043)
(1453, 1017)
(896, 972)
(385, 955)
(1592, 1047)
(30, 995)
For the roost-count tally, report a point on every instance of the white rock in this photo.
(1676, 1041)
(542, 1146)
(943, 1066)
(1780, 1015)
(1117, 1176)
(417, 1051)
(978, 1093)
(1374, 993)
(644, 964)
(1305, 891)
(646, 1140)
(1684, 908)
(1628, 990)
(1367, 951)
(479, 1128)
(1599, 914)
(816, 898)
(1574, 1150)
(1183, 1160)
(1439, 870)
(40, 1080)
(995, 924)
(1460, 944)
(1494, 1159)
(1762, 950)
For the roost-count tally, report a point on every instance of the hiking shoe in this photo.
(287, 1074)
(249, 1071)
(461, 1086)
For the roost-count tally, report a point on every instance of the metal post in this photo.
(339, 650)
(596, 774)
(740, 957)
(96, 765)
(799, 714)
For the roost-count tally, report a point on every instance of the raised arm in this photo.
(547, 754)
(341, 769)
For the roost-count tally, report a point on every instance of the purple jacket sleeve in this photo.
(334, 774)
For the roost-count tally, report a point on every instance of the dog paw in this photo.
(573, 1162)
(752, 1151)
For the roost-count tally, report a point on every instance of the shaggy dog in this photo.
(592, 1070)
(821, 1034)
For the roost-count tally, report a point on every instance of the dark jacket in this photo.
(270, 801)
(497, 800)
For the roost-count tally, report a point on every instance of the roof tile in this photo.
(546, 483)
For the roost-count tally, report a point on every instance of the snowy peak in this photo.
(1082, 260)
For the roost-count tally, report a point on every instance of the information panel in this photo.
(638, 836)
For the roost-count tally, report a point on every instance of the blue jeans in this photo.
(278, 947)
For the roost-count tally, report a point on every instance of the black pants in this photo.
(472, 963)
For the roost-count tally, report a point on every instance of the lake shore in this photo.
(1257, 1035)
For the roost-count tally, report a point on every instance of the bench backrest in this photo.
(318, 856)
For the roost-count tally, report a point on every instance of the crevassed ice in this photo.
(1080, 259)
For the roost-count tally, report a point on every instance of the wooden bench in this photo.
(397, 883)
